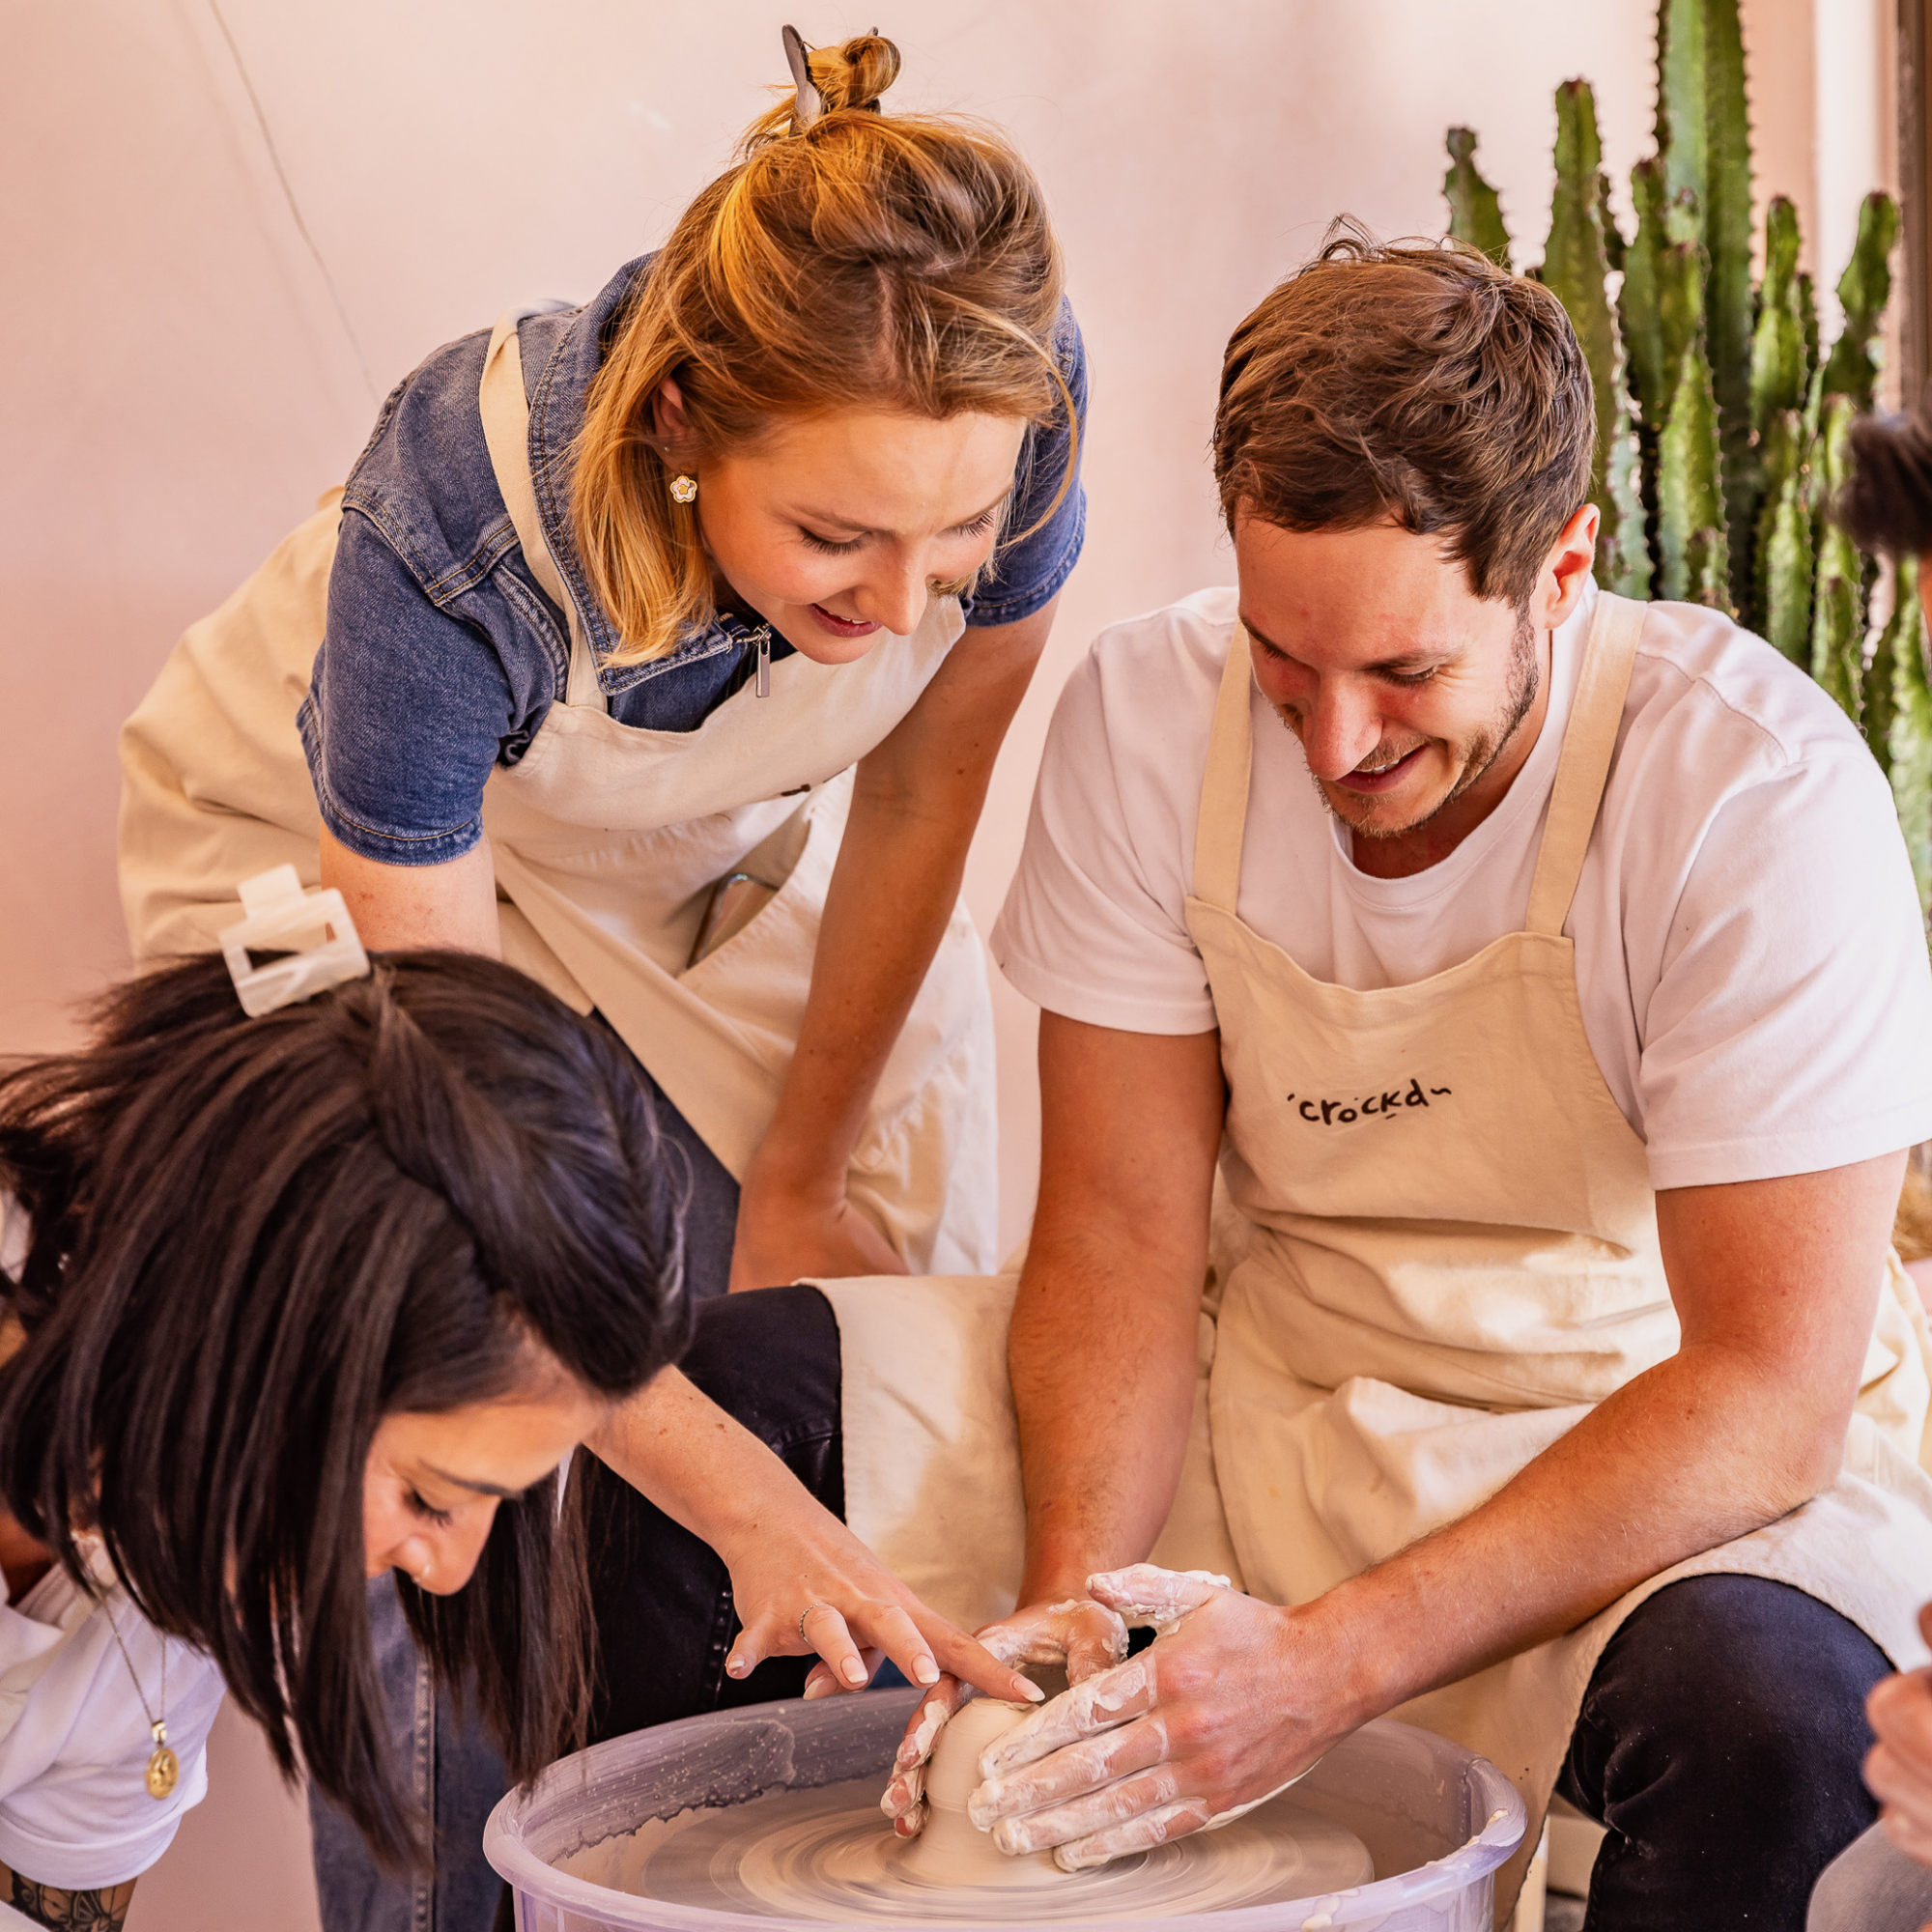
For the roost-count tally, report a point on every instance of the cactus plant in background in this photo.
(1693, 556)
(1864, 291)
(1781, 360)
(1703, 138)
(1837, 611)
(1576, 268)
(1475, 213)
(1878, 705)
(1722, 429)
(1786, 547)
(1910, 739)
(1640, 307)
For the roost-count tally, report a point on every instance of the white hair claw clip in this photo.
(313, 930)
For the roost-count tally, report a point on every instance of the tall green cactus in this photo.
(1864, 291)
(1877, 699)
(1808, 314)
(1607, 220)
(1838, 618)
(1910, 741)
(1661, 308)
(1475, 213)
(1692, 552)
(1639, 303)
(1780, 371)
(1575, 269)
(1704, 136)
(1786, 550)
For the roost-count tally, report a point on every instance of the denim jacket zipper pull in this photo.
(764, 640)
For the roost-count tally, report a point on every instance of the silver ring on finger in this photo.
(805, 1612)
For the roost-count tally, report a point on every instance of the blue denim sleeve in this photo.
(408, 710)
(1025, 575)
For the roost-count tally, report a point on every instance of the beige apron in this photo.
(1443, 1250)
(607, 839)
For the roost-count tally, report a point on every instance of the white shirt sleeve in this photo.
(1087, 930)
(1789, 1027)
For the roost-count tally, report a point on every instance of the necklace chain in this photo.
(164, 1772)
(157, 1725)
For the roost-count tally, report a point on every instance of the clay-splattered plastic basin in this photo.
(1438, 1820)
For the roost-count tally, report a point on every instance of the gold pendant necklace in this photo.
(163, 1767)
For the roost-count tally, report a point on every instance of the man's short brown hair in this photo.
(1415, 382)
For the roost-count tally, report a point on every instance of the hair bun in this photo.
(855, 73)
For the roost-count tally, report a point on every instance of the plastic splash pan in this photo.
(1436, 1818)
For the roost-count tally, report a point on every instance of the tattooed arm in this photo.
(102, 1911)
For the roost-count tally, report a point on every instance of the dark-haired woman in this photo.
(295, 1300)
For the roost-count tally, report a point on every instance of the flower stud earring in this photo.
(683, 489)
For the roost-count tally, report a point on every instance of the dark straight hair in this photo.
(1887, 506)
(250, 1242)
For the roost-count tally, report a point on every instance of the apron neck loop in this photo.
(1588, 744)
(1601, 684)
(505, 408)
(1223, 822)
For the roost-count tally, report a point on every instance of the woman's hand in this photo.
(1078, 1634)
(802, 1582)
(805, 1583)
(1228, 1706)
(1899, 1767)
(791, 1232)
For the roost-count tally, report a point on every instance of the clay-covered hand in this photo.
(1899, 1767)
(788, 1233)
(807, 1584)
(1078, 1634)
(1225, 1707)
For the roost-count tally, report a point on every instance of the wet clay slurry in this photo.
(827, 1856)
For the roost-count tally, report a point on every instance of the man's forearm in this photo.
(1687, 1456)
(1103, 1370)
(1104, 1334)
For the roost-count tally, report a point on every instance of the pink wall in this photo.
(189, 372)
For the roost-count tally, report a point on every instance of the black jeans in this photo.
(1719, 1739)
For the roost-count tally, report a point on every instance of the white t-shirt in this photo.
(74, 1809)
(74, 1740)
(1750, 959)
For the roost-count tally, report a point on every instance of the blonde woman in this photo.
(741, 568)
(662, 647)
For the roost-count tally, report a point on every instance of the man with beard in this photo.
(1544, 974)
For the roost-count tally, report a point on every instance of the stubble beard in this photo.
(1480, 752)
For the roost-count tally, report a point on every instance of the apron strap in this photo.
(1608, 655)
(505, 409)
(1588, 744)
(1223, 822)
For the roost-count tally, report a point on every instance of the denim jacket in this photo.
(441, 656)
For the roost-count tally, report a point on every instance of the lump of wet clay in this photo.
(952, 1850)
